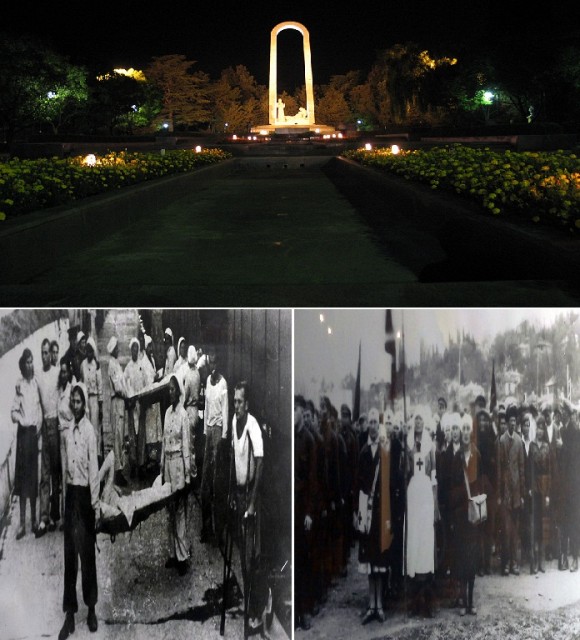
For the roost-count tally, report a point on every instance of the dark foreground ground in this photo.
(138, 597)
(525, 607)
(267, 234)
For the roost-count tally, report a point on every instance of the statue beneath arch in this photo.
(303, 120)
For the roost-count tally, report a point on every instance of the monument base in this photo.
(287, 129)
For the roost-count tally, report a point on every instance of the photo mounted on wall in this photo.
(149, 451)
(436, 473)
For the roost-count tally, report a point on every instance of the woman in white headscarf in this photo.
(176, 469)
(92, 377)
(422, 511)
(135, 382)
(153, 425)
(191, 389)
(181, 355)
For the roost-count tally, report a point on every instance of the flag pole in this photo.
(404, 360)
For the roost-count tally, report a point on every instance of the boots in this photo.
(533, 562)
(574, 566)
(68, 627)
(541, 560)
(563, 562)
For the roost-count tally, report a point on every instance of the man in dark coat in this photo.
(318, 493)
(348, 480)
(510, 489)
(304, 480)
(570, 482)
(485, 442)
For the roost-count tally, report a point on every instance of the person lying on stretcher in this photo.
(113, 502)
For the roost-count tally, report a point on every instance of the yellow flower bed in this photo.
(543, 186)
(31, 185)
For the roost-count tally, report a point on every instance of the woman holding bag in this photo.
(467, 482)
(375, 526)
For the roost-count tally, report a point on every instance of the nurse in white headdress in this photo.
(421, 500)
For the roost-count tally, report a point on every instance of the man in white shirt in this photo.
(82, 514)
(50, 468)
(248, 455)
(215, 428)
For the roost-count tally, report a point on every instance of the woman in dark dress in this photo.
(27, 414)
(374, 540)
(467, 538)
(445, 474)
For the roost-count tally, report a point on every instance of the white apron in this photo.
(420, 514)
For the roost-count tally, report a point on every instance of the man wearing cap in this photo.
(93, 379)
(69, 354)
(319, 513)
(191, 386)
(555, 444)
(82, 514)
(511, 490)
(348, 479)
(118, 396)
(50, 469)
(570, 481)
(134, 383)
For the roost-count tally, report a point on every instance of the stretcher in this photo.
(131, 510)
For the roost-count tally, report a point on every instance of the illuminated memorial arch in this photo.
(304, 120)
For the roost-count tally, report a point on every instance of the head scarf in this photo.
(169, 333)
(91, 343)
(148, 340)
(191, 355)
(83, 389)
(135, 341)
(182, 339)
(112, 344)
(80, 336)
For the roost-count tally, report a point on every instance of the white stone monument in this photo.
(279, 121)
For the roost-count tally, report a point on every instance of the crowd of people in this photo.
(58, 410)
(402, 487)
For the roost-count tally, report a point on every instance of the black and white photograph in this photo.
(436, 473)
(149, 451)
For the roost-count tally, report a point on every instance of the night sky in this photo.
(218, 33)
